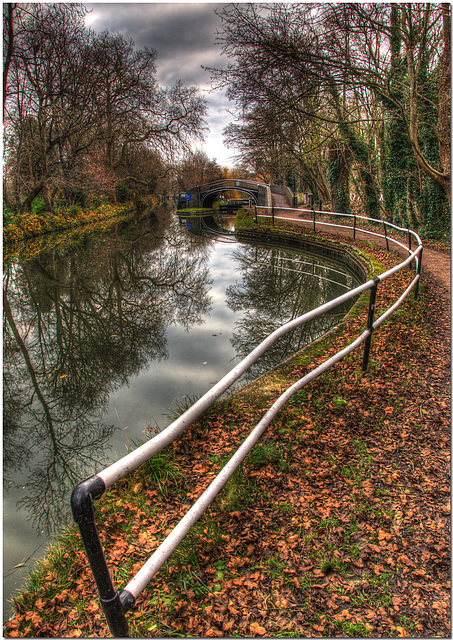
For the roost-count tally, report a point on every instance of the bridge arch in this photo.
(204, 195)
(207, 198)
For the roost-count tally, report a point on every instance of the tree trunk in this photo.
(441, 177)
(443, 123)
(9, 50)
(26, 204)
(339, 180)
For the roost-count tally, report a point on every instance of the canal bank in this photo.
(306, 523)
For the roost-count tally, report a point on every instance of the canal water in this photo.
(105, 334)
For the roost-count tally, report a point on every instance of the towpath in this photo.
(436, 260)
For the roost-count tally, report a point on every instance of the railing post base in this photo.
(114, 613)
(82, 500)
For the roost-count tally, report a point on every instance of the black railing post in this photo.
(386, 237)
(83, 512)
(372, 304)
(410, 246)
(272, 214)
(419, 273)
(355, 221)
(314, 220)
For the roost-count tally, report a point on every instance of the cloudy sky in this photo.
(183, 35)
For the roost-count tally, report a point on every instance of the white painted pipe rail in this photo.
(344, 226)
(163, 552)
(131, 461)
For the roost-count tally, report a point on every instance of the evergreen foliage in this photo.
(339, 182)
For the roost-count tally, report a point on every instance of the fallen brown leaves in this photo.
(341, 528)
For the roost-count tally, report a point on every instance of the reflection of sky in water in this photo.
(196, 360)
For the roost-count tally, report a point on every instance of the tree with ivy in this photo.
(365, 66)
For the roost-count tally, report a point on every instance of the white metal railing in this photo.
(411, 234)
(116, 604)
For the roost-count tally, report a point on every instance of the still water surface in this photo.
(103, 335)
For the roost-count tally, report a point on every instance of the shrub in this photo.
(74, 210)
(38, 206)
(8, 216)
(123, 192)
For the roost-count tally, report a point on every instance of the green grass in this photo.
(194, 210)
(180, 406)
(238, 492)
(354, 629)
(275, 568)
(162, 470)
(268, 453)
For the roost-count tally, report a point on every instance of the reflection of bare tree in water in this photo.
(77, 325)
(276, 287)
(68, 442)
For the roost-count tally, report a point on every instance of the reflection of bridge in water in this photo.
(208, 227)
(204, 195)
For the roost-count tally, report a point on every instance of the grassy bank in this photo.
(17, 226)
(336, 524)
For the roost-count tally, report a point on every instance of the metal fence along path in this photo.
(115, 604)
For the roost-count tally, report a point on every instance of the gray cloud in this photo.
(183, 34)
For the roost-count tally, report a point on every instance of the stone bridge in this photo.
(205, 194)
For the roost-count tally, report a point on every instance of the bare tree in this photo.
(196, 168)
(85, 93)
(8, 44)
(424, 30)
(48, 86)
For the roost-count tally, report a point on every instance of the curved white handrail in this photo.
(150, 568)
(344, 226)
